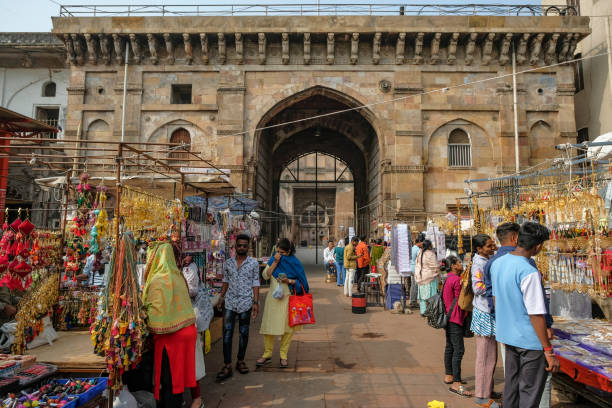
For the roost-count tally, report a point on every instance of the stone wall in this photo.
(243, 69)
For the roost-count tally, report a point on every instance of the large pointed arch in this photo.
(319, 119)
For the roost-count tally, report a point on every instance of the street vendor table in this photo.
(583, 375)
(72, 352)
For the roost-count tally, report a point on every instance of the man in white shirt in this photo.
(329, 259)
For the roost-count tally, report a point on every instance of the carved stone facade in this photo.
(443, 73)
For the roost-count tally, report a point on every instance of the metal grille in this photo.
(50, 122)
(318, 9)
(459, 155)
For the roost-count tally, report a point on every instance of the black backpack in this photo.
(435, 311)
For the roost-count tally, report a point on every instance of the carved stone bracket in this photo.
(418, 48)
(152, 48)
(452, 49)
(135, 48)
(407, 90)
(70, 56)
(572, 48)
(487, 49)
(505, 49)
(354, 48)
(76, 90)
(285, 48)
(78, 49)
(169, 48)
(376, 48)
(400, 48)
(306, 48)
(435, 49)
(470, 48)
(239, 48)
(188, 48)
(261, 41)
(105, 48)
(118, 44)
(536, 49)
(222, 51)
(204, 46)
(521, 53)
(551, 49)
(330, 48)
(565, 44)
(91, 49)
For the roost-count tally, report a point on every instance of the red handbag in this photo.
(301, 310)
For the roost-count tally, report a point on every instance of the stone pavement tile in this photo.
(366, 400)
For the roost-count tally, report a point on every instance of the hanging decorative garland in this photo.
(120, 328)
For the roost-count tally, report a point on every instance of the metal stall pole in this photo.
(316, 208)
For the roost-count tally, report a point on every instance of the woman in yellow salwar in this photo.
(288, 273)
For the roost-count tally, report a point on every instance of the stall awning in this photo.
(20, 125)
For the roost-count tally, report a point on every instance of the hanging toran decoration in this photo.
(459, 232)
(120, 328)
(15, 249)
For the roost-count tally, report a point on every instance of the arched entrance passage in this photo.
(349, 136)
(316, 194)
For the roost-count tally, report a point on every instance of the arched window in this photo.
(459, 149)
(180, 136)
(49, 89)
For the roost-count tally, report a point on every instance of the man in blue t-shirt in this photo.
(520, 311)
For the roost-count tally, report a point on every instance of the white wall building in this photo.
(33, 76)
(33, 81)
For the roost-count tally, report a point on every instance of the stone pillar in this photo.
(231, 123)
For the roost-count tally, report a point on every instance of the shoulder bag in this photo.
(466, 296)
(301, 310)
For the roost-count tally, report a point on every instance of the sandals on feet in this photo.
(225, 373)
(450, 382)
(262, 362)
(242, 367)
(462, 392)
(284, 365)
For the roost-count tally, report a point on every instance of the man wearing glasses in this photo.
(240, 294)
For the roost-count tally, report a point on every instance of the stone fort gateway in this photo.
(433, 94)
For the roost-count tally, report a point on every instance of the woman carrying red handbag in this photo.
(289, 278)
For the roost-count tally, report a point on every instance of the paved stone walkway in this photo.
(346, 360)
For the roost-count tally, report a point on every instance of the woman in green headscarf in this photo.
(172, 321)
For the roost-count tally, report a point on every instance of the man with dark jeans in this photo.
(520, 310)
(363, 261)
(240, 294)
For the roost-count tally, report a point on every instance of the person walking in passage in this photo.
(240, 294)
(427, 272)
(339, 256)
(415, 251)
(453, 353)
(483, 324)
(287, 272)
(520, 309)
(329, 259)
(350, 264)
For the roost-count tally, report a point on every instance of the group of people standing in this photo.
(178, 347)
(352, 259)
(509, 306)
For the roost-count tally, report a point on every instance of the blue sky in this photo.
(35, 15)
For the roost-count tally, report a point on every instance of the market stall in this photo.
(571, 196)
(85, 276)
